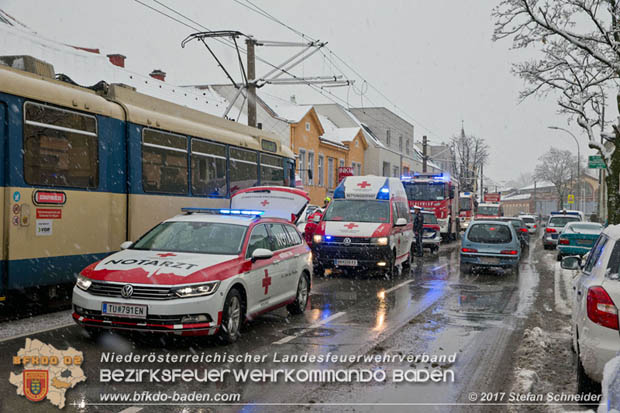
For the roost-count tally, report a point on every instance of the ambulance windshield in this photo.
(358, 211)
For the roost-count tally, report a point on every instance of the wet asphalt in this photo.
(433, 309)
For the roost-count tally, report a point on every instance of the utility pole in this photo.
(251, 63)
(481, 183)
(535, 205)
(424, 156)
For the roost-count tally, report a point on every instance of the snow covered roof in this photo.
(291, 112)
(87, 68)
(517, 197)
(541, 184)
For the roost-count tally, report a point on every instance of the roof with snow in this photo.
(537, 185)
(517, 197)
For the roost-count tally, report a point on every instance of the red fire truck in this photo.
(466, 209)
(435, 192)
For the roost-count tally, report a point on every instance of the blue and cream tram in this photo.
(85, 171)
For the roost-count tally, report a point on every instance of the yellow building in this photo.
(322, 148)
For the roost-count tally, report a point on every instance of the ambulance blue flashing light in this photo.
(223, 211)
(339, 191)
(384, 192)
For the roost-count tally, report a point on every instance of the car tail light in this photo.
(563, 241)
(509, 252)
(601, 309)
(523, 229)
(550, 230)
(534, 226)
(469, 250)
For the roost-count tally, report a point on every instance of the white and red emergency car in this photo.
(203, 272)
(367, 225)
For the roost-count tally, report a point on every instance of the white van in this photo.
(367, 225)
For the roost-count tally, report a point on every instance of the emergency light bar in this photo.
(565, 213)
(223, 211)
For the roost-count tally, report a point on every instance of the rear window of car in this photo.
(613, 267)
(589, 228)
(490, 234)
(517, 223)
(529, 220)
(561, 221)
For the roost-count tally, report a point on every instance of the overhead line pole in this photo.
(251, 64)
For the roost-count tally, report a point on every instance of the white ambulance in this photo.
(367, 226)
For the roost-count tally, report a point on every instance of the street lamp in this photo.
(582, 205)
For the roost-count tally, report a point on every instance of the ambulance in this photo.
(367, 226)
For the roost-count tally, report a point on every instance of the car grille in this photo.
(151, 318)
(142, 292)
(354, 240)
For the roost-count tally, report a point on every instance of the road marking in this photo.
(132, 409)
(313, 326)
(382, 294)
(43, 330)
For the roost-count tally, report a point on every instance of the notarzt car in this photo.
(203, 272)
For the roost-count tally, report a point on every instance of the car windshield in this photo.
(196, 237)
(358, 211)
(489, 234)
(429, 218)
(584, 227)
(488, 210)
(425, 191)
(464, 204)
(561, 221)
(528, 220)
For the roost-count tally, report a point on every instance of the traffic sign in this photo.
(595, 162)
(571, 199)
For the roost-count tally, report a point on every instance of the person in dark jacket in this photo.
(418, 229)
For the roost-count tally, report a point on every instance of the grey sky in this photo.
(433, 58)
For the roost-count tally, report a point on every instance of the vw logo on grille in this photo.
(346, 241)
(127, 291)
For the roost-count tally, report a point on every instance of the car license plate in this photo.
(585, 242)
(554, 236)
(489, 260)
(124, 310)
(346, 263)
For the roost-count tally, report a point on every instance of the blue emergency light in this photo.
(223, 211)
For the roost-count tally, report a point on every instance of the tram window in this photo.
(243, 169)
(271, 170)
(164, 162)
(60, 147)
(208, 168)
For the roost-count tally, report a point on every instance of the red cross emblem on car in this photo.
(266, 282)
(264, 203)
(168, 254)
(351, 225)
(363, 184)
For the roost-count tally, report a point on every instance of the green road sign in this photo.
(595, 162)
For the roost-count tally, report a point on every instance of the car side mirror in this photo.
(261, 254)
(400, 222)
(126, 245)
(571, 263)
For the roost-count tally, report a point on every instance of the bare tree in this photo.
(580, 44)
(469, 154)
(558, 167)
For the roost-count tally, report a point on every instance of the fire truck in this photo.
(435, 192)
(467, 206)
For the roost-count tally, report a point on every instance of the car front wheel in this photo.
(231, 317)
(301, 298)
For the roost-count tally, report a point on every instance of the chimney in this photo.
(158, 74)
(117, 59)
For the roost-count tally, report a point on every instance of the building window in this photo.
(311, 168)
(388, 137)
(302, 166)
(164, 162)
(330, 173)
(407, 148)
(243, 169)
(308, 126)
(208, 168)
(60, 147)
(321, 171)
(271, 170)
(386, 169)
(358, 169)
(400, 143)
(395, 171)
(341, 163)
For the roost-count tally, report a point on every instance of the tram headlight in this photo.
(83, 283)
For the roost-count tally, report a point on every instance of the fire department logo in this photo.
(36, 384)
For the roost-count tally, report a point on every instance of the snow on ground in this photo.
(611, 387)
(562, 286)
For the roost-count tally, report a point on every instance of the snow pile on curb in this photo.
(534, 339)
(525, 381)
(611, 387)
